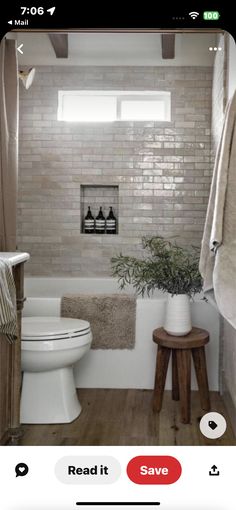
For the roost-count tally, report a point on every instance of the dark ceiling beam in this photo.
(60, 44)
(168, 46)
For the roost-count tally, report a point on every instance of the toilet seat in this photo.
(54, 333)
(52, 328)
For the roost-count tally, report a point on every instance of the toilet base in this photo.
(49, 397)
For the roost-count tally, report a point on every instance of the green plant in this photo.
(167, 266)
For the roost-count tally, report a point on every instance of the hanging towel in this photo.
(111, 316)
(218, 251)
(8, 314)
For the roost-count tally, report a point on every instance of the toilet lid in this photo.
(51, 328)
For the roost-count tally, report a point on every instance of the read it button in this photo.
(154, 469)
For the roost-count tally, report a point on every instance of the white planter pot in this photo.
(178, 315)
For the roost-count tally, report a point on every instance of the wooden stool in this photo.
(181, 347)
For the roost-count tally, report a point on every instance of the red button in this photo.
(154, 469)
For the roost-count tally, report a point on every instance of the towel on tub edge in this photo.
(112, 317)
(8, 314)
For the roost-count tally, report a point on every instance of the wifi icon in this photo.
(193, 14)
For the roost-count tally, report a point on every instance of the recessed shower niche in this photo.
(96, 196)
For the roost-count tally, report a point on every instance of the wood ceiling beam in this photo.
(168, 46)
(59, 43)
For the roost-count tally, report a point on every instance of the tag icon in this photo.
(212, 424)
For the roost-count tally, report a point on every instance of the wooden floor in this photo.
(125, 417)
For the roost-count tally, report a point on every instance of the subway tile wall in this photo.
(163, 170)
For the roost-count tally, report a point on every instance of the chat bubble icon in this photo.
(21, 469)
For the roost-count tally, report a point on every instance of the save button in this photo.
(154, 469)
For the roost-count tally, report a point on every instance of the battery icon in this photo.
(211, 15)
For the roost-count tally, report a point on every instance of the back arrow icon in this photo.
(19, 48)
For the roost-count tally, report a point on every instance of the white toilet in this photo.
(50, 348)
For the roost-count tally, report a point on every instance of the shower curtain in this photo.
(8, 143)
(218, 251)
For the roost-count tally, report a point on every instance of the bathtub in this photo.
(123, 368)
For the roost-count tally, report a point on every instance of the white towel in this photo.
(218, 252)
(8, 314)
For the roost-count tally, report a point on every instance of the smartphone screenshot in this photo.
(117, 259)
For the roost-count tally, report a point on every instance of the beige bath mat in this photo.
(111, 316)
